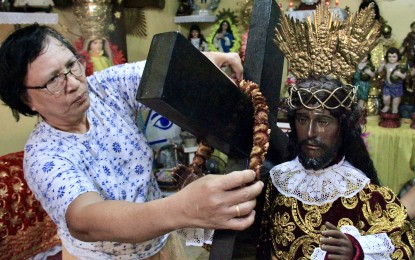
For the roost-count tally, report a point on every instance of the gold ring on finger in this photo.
(238, 212)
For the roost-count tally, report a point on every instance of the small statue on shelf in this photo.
(365, 71)
(378, 53)
(308, 4)
(223, 39)
(197, 38)
(185, 8)
(385, 42)
(99, 53)
(408, 45)
(408, 51)
(392, 90)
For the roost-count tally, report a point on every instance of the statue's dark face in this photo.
(318, 135)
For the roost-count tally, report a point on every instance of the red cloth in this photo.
(292, 230)
(25, 227)
(359, 255)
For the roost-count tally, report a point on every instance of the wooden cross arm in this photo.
(183, 85)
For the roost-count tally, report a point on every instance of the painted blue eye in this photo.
(160, 121)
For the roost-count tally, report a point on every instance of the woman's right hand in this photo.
(231, 59)
(217, 201)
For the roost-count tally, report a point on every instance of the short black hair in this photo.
(20, 49)
(393, 50)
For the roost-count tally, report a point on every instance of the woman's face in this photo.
(68, 107)
(225, 26)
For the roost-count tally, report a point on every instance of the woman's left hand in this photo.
(231, 59)
(336, 244)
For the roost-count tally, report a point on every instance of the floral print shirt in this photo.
(112, 159)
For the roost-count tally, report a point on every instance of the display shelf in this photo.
(201, 18)
(28, 18)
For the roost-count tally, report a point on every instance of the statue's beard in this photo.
(322, 161)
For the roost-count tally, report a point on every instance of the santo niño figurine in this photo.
(392, 90)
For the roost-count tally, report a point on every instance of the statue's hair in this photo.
(352, 146)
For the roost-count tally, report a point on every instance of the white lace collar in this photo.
(318, 187)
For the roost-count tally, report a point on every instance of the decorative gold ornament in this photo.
(135, 22)
(325, 45)
(117, 14)
(93, 17)
(245, 12)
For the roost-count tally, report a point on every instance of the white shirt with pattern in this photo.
(112, 159)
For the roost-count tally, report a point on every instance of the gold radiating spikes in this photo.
(324, 45)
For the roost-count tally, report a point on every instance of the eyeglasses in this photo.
(58, 82)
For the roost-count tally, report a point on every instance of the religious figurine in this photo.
(308, 4)
(185, 8)
(392, 90)
(385, 41)
(373, 100)
(99, 53)
(5, 5)
(408, 51)
(325, 201)
(202, 7)
(361, 79)
(408, 45)
(197, 38)
(214, 5)
(224, 38)
(158, 130)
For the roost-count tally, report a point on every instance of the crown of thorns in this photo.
(315, 98)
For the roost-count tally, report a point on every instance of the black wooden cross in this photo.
(184, 86)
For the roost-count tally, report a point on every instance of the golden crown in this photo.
(325, 45)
